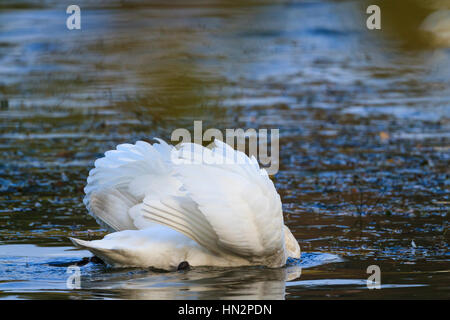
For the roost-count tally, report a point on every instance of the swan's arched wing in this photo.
(238, 199)
(122, 179)
(230, 204)
(225, 203)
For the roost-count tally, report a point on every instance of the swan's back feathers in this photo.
(238, 199)
(122, 179)
(229, 206)
(174, 213)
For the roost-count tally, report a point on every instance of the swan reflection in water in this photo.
(260, 283)
(198, 283)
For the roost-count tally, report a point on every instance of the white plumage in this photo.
(209, 207)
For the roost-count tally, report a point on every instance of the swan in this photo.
(167, 209)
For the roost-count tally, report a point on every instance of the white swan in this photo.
(166, 209)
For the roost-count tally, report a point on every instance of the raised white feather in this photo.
(220, 209)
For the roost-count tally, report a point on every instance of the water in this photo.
(363, 118)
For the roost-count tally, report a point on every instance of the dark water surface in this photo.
(364, 119)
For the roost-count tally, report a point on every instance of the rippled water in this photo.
(363, 118)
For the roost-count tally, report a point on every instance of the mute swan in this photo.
(166, 209)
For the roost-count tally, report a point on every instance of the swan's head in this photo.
(291, 244)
